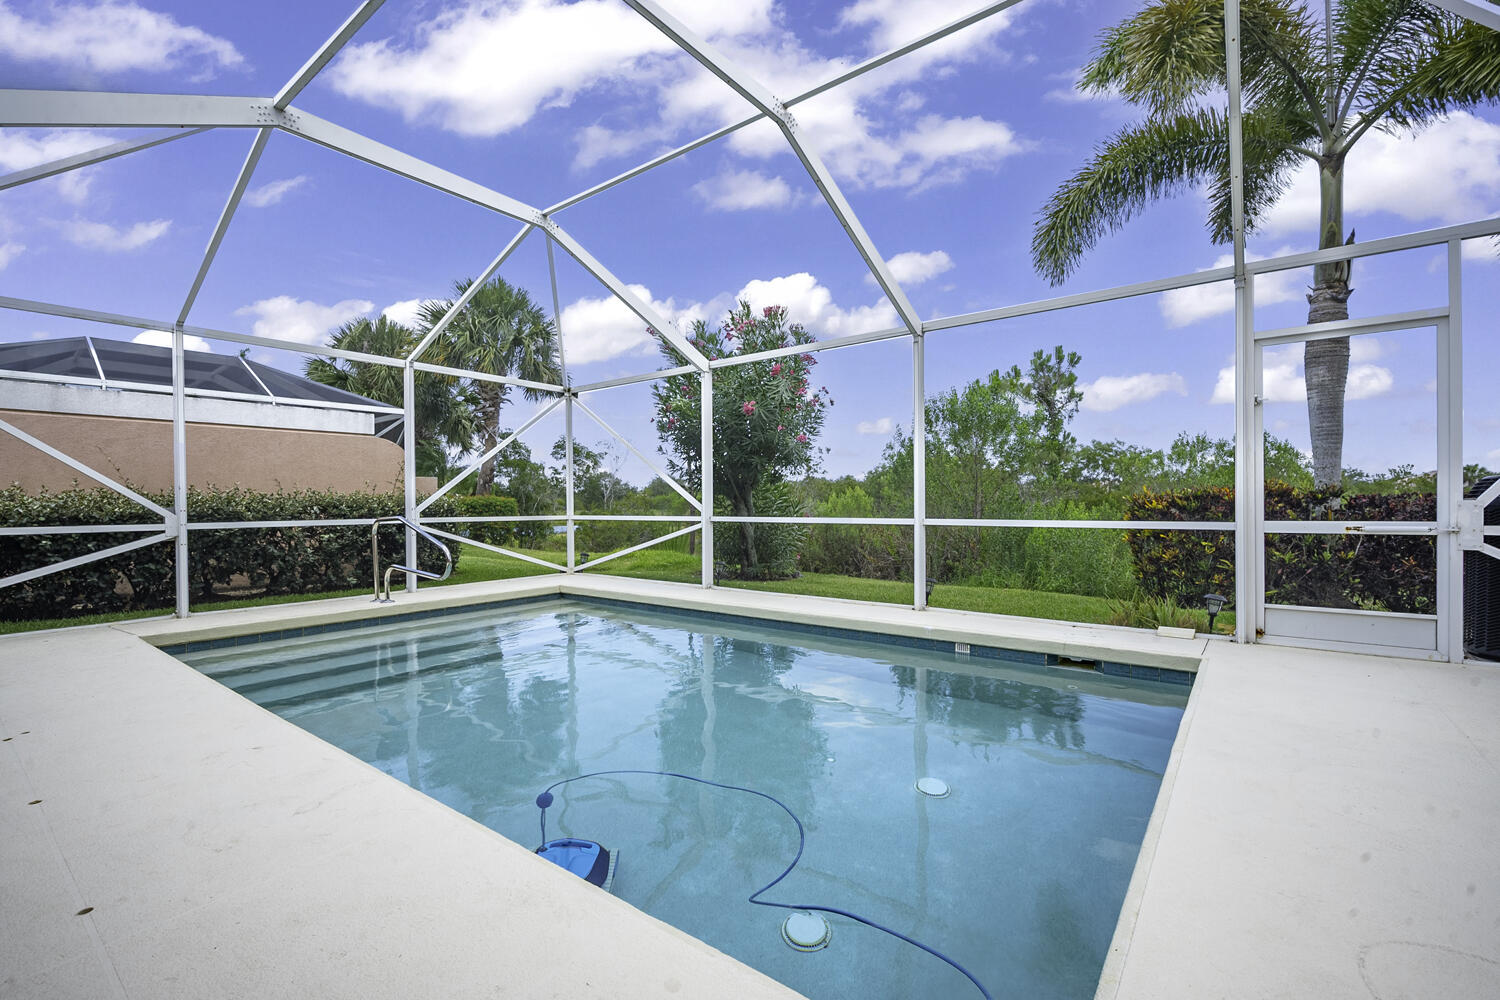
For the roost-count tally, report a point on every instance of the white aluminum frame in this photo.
(1459, 526)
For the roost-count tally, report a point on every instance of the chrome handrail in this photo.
(410, 570)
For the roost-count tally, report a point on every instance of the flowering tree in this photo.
(766, 413)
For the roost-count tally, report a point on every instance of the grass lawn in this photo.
(478, 565)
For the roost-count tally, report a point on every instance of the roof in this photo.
(125, 365)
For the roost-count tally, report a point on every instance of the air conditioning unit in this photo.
(1482, 589)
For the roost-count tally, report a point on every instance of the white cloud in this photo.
(914, 267)
(896, 22)
(883, 426)
(1482, 251)
(598, 329)
(1368, 381)
(605, 328)
(741, 190)
(1110, 392)
(103, 236)
(486, 67)
(1284, 381)
(112, 37)
(811, 304)
(286, 318)
(1448, 173)
(21, 148)
(163, 338)
(271, 193)
(9, 251)
(406, 312)
(1183, 306)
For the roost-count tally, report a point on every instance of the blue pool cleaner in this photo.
(584, 858)
(580, 856)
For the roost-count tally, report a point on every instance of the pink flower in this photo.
(781, 427)
(802, 439)
(776, 368)
(749, 407)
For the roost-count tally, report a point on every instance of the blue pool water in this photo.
(1018, 874)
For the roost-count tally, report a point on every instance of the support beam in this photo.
(287, 94)
(919, 473)
(235, 194)
(423, 366)
(100, 155)
(644, 310)
(861, 69)
(568, 484)
(1450, 463)
(1247, 442)
(97, 109)
(409, 469)
(706, 473)
(179, 470)
(766, 102)
(378, 154)
(1485, 14)
(1113, 294)
(473, 290)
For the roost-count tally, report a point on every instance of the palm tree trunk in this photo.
(1326, 362)
(489, 418)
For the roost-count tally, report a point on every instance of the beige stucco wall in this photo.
(139, 453)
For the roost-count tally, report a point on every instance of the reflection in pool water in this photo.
(1019, 873)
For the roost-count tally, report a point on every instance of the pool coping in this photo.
(1108, 646)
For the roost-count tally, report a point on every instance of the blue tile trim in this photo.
(1020, 656)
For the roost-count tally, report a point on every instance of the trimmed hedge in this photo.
(266, 561)
(489, 532)
(1379, 572)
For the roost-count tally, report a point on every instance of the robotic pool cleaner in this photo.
(805, 929)
(584, 858)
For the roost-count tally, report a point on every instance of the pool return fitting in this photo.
(596, 865)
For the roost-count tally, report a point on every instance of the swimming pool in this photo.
(1018, 874)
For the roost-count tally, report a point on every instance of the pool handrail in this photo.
(410, 570)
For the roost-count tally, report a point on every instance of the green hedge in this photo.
(267, 561)
(490, 532)
(1378, 572)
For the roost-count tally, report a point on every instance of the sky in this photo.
(946, 155)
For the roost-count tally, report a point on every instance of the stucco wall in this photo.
(139, 453)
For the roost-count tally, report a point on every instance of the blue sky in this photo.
(946, 155)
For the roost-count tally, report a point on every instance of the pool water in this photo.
(1018, 874)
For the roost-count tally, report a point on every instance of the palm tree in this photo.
(444, 413)
(1312, 88)
(500, 331)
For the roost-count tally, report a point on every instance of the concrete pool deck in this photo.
(1328, 827)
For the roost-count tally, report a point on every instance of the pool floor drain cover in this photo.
(806, 931)
(935, 787)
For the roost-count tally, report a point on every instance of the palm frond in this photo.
(1136, 166)
(1171, 53)
(1457, 68)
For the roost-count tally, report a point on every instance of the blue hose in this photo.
(545, 799)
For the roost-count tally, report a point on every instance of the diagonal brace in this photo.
(697, 505)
